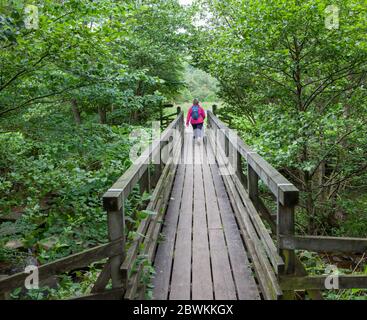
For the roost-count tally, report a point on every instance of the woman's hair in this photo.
(195, 102)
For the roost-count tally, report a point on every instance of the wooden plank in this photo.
(323, 244)
(285, 225)
(265, 274)
(214, 219)
(301, 271)
(252, 185)
(318, 282)
(150, 240)
(75, 261)
(116, 231)
(267, 215)
(189, 146)
(103, 278)
(261, 230)
(202, 288)
(164, 256)
(223, 282)
(181, 270)
(157, 193)
(209, 153)
(245, 283)
(198, 152)
(151, 237)
(144, 224)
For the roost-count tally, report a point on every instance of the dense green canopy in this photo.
(78, 76)
(293, 73)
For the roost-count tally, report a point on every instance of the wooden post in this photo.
(181, 128)
(144, 182)
(214, 109)
(252, 185)
(161, 116)
(149, 177)
(285, 226)
(162, 164)
(114, 205)
(231, 156)
(226, 144)
(239, 168)
(170, 148)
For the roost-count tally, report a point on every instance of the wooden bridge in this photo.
(207, 231)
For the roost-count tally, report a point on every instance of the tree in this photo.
(301, 84)
(91, 54)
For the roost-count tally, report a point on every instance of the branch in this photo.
(32, 100)
(24, 71)
(333, 146)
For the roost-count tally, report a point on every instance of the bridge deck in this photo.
(202, 255)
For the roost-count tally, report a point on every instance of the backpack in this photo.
(195, 112)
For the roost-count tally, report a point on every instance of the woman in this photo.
(196, 116)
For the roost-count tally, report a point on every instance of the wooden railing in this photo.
(165, 150)
(268, 260)
(279, 271)
(227, 119)
(166, 119)
(269, 237)
(154, 172)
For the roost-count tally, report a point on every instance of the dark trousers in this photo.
(197, 126)
(198, 129)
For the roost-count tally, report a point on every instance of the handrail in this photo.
(114, 250)
(113, 199)
(74, 261)
(286, 195)
(293, 276)
(286, 192)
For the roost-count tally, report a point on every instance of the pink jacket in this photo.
(193, 121)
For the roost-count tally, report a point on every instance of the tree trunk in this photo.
(321, 180)
(310, 209)
(102, 115)
(76, 112)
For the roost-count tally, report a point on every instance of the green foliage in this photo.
(199, 85)
(78, 284)
(120, 60)
(56, 175)
(296, 89)
(101, 55)
(58, 182)
(317, 265)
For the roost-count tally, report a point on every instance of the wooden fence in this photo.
(279, 270)
(166, 119)
(154, 171)
(269, 237)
